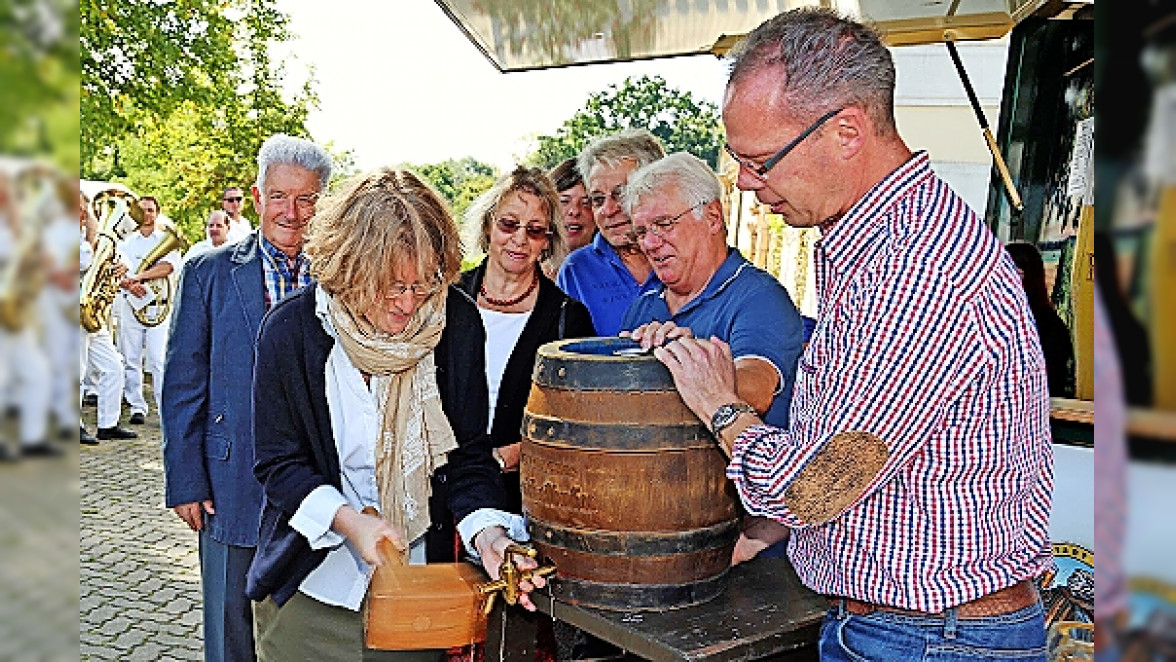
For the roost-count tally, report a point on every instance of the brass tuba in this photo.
(100, 284)
(21, 281)
(22, 277)
(155, 312)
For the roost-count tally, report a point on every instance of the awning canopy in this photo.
(517, 35)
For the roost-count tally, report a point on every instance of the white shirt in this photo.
(202, 246)
(85, 253)
(134, 247)
(343, 577)
(238, 230)
(502, 334)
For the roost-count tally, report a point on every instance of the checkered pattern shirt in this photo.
(924, 338)
(283, 274)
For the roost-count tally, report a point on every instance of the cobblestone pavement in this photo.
(140, 579)
(38, 548)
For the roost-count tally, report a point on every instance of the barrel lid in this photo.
(600, 364)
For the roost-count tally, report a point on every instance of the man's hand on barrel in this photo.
(703, 371)
(491, 543)
(657, 334)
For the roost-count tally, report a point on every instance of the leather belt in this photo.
(1005, 601)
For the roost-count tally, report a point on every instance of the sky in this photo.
(399, 82)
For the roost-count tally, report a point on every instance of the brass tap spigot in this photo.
(510, 576)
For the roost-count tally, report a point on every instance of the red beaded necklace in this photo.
(506, 303)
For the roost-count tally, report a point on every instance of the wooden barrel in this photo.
(625, 488)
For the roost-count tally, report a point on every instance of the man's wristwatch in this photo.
(497, 455)
(726, 414)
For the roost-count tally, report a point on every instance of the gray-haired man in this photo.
(207, 417)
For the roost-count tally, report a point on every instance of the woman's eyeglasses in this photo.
(235, 198)
(419, 290)
(535, 232)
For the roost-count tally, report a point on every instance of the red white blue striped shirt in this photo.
(924, 338)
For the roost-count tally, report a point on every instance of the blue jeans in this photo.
(886, 636)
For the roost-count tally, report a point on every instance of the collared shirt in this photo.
(745, 307)
(283, 274)
(924, 338)
(596, 276)
(342, 578)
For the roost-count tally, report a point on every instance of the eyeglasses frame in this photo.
(661, 225)
(527, 230)
(762, 170)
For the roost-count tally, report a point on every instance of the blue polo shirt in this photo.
(595, 276)
(743, 306)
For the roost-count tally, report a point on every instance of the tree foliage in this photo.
(458, 181)
(39, 70)
(680, 122)
(177, 97)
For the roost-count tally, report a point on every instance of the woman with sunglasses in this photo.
(374, 426)
(520, 306)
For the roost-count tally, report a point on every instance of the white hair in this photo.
(281, 148)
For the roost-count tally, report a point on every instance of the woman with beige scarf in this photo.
(369, 397)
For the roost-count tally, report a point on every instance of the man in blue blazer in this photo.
(207, 394)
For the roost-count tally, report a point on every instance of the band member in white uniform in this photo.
(136, 341)
(99, 356)
(23, 368)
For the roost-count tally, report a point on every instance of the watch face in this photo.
(726, 415)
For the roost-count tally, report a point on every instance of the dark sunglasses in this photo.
(533, 231)
(236, 199)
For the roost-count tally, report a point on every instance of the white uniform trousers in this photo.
(62, 334)
(140, 343)
(26, 377)
(98, 351)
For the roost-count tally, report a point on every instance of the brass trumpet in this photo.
(154, 313)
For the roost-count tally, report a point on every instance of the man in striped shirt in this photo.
(916, 477)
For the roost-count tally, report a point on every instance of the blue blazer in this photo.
(207, 390)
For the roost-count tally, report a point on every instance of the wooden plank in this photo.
(1074, 411)
(765, 611)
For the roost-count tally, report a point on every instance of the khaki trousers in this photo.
(306, 629)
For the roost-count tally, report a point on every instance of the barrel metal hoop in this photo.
(644, 597)
(548, 431)
(635, 543)
(589, 365)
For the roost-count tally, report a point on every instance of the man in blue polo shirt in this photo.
(709, 289)
(609, 273)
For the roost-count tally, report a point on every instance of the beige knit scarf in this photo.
(415, 437)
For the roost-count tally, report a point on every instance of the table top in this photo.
(765, 610)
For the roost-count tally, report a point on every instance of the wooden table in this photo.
(764, 612)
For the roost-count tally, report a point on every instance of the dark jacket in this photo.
(295, 446)
(206, 414)
(556, 316)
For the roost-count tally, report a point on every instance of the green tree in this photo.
(680, 122)
(39, 70)
(178, 97)
(458, 181)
